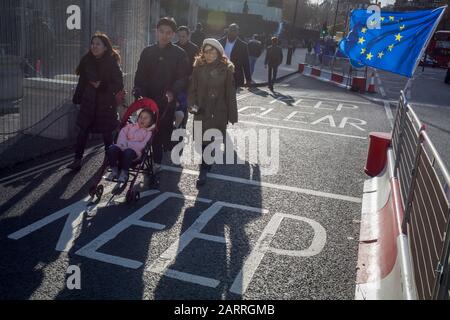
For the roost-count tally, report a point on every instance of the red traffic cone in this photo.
(371, 88)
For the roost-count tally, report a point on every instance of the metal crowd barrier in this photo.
(38, 62)
(423, 178)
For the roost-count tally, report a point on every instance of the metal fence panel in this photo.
(38, 58)
(423, 177)
(406, 155)
(428, 222)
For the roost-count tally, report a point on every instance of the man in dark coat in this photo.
(237, 51)
(191, 49)
(161, 75)
(198, 35)
(274, 57)
(255, 49)
(183, 34)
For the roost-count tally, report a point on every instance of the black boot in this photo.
(202, 176)
(75, 165)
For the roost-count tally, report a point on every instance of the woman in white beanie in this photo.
(212, 94)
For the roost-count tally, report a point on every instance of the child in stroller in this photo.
(132, 153)
(130, 144)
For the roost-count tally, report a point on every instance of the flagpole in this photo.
(408, 83)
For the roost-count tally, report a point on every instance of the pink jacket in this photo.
(134, 137)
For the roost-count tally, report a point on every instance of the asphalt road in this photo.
(248, 234)
(429, 97)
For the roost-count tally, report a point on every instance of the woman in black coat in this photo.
(100, 80)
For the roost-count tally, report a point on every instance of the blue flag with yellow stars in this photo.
(390, 41)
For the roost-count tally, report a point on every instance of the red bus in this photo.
(439, 48)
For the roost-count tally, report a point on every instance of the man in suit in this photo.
(274, 57)
(237, 51)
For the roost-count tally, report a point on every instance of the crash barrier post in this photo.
(377, 155)
(371, 88)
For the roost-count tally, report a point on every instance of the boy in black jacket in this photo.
(161, 75)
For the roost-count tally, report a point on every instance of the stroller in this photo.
(141, 165)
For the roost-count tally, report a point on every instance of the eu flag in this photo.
(391, 41)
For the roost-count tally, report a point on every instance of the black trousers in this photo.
(273, 70)
(83, 137)
(162, 140)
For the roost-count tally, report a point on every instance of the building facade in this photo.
(269, 10)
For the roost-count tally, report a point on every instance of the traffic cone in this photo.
(371, 88)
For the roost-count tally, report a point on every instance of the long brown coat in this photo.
(213, 90)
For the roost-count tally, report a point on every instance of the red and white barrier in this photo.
(347, 82)
(384, 263)
(315, 72)
(371, 88)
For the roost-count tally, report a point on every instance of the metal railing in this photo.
(334, 64)
(38, 58)
(423, 178)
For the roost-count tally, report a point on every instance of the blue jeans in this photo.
(121, 159)
(252, 64)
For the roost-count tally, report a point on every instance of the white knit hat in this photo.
(215, 44)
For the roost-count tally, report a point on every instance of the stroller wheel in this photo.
(154, 182)
(99, 191)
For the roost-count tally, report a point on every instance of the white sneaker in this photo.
(123, 177)
(156, 168)
(113, 174)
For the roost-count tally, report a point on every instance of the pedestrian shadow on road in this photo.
(26, 262)
(102, 280)
(287, 99)
(33, 182)
(259, 92)
(217, 263)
